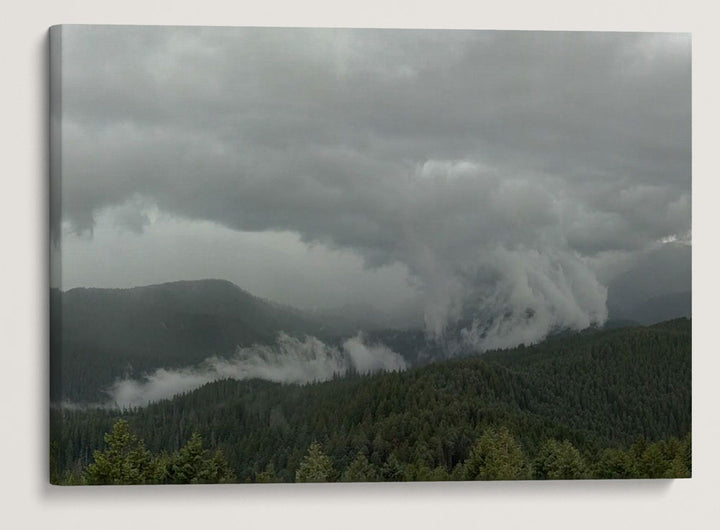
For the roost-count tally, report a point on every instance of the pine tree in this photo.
(496, 456)
(613, 463)
(559, 460)
(193, 465)
(392, 470)
(316, 466)
(267, 475)
(360, 470)
(125, 461)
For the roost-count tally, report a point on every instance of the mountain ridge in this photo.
(101, 334)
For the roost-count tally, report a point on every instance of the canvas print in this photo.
(368, 255)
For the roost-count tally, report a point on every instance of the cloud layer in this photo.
(497, 167)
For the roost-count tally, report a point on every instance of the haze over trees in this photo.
(603, 404)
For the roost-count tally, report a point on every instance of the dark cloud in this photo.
(492, 165)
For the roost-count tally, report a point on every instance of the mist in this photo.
(289, 360)
(538, 293)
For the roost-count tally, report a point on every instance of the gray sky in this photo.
(489, 172)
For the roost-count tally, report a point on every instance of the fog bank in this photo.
(289, 360)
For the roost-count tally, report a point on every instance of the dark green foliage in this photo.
(392, 470)
(316, 466)
(496, 456)
(662, 459)
(559, 460)
(267, 476)
(605, 404)
(125, 461)
(669, 458)
(360, 470)
(193, 464)
(614, 463)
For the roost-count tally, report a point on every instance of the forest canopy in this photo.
(613, 403)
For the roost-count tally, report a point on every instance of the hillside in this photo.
(98, 335)
(101, 335)
(600, 390)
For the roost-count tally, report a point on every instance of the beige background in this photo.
(27, 500)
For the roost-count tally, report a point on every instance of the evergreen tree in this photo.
(192, 464)
(559, 460)
(125, 461)
(267, 475)
(613, 464)
(392, 470)
(600, 390)
(360, 470)
(316, 466)
(496, 456)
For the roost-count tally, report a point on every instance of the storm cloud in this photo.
(506, 172)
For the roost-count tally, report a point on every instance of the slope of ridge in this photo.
(98, 335)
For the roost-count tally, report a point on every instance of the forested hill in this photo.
(98, 335)
(601, 390)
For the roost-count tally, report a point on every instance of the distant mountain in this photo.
(101, 335)
(664, 307)
(98, 335)
(657, 287)
(656, 309)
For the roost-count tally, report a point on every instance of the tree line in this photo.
(126, 460)
(608, 397)
(496, 455)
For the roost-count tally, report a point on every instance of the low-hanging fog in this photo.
(499, 180)
(290, 360)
